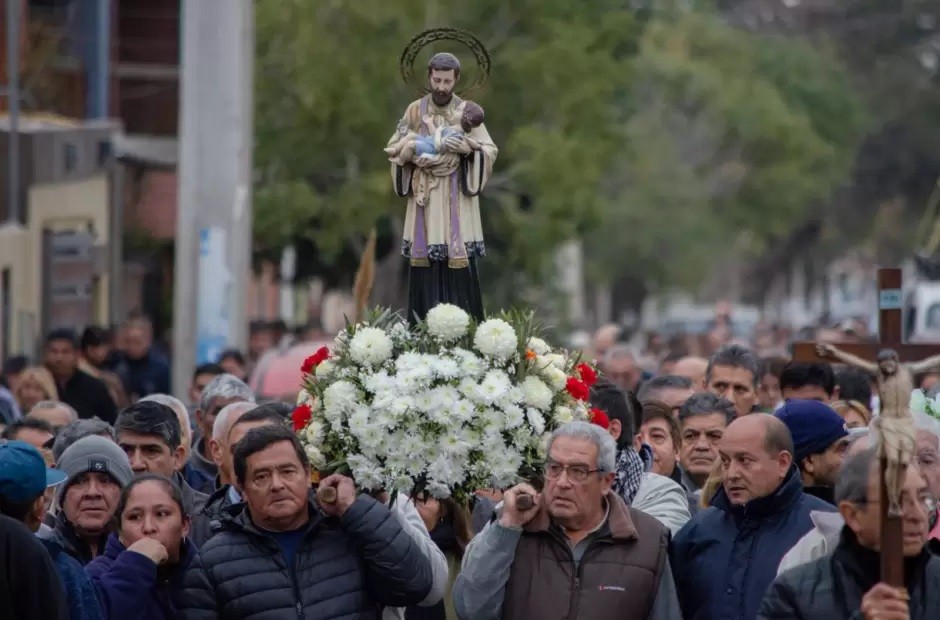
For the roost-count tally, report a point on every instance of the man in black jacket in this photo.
(846, 584)
(280, 555)
(149, 433)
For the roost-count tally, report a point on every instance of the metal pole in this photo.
(13, 105)
(214, 216)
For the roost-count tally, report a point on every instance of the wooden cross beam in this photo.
(890, 333)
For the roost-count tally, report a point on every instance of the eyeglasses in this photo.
(576, 473)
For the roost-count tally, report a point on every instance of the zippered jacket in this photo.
(130, 585)
(532, 572)
(347, 568)
(726, 557)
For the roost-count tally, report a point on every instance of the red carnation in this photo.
(577, 388)
(600, 418)
(588, 374)
(301, 415)
(310, 364)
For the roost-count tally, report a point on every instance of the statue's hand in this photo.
(825, 350)
(455, 144)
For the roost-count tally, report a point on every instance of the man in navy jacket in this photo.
(726, 557)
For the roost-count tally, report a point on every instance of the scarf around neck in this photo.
(630, 469)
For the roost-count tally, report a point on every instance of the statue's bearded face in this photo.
(889, 366)
(442, 85)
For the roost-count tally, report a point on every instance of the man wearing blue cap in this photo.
(820, 438)
(24, 479)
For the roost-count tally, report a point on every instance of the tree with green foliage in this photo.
(736, 137)
(659, 138)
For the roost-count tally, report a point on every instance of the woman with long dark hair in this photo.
(449, 525)
(145, 558)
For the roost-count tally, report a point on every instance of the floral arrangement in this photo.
(920, 403)
(444, 407)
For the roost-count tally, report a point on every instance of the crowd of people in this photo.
(728, 486)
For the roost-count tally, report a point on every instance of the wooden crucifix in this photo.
(893, 364)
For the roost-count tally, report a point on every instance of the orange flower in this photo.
(530, 354)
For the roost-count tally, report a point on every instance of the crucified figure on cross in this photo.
(895, 425)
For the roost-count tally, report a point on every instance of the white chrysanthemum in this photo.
(504, 468)
(446, 369)
(325, 369)
(538, 346)
(514, 416)
(563, 415)
(314, 433)
(557, 360)
(366, 472)
(317, 460)
(425, 401)
(447, 322)
(537, 394)
(495, 385)
(536, 420)
(470, 365)
(496, 338)
(370, 346)
(340, 398)
(555, 377)
(403, 484)
(463, 410)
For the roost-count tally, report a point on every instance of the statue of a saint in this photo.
(442, 157)
(895, 424)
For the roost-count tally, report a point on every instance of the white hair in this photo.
(178, 407)
(923, 422)
(228, 416)
(56, 404)
(620, 351)
(602, 440)
(225, 386)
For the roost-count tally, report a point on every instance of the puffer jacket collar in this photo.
(777, 503)
(237, 518)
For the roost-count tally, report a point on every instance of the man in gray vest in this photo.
(577, 552)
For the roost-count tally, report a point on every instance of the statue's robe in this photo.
(443, 233)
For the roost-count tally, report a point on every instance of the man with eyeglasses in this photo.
(578, 551)
(847, 582)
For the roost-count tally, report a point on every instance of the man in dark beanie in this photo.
(149, 433)
(820, 438)
(97, 471)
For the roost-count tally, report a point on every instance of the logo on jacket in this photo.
(611, 589)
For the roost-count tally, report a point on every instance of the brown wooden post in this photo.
(890, 333)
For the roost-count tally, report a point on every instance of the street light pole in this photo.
(13, 106)
(213, 240)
